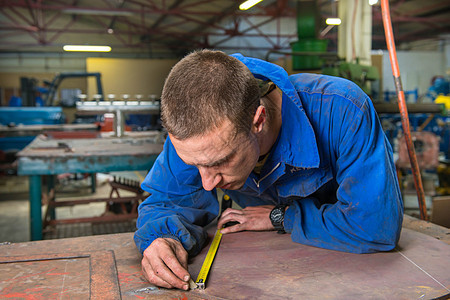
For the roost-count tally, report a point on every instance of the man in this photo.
(303, 154)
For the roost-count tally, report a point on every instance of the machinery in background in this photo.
(49, 97)
(309, 46)
(32, 114)
(117, 110)
(439, 91)
(310, 52)
(440, 86)
(359, 74)
(431, 138)
(19, 126)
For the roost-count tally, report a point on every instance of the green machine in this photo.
(307, 31)
(359, 74)
(310, 53)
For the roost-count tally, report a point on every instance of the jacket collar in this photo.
(296, 144)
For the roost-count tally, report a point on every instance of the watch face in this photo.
(276, 215)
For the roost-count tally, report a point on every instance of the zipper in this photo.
(265, 176)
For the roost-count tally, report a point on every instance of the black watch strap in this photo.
(277, 217)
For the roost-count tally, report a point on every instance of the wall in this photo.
(126, 75)
(417, 68)
(39, 66)
(129, 76)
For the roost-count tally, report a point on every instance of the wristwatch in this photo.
(277, 217)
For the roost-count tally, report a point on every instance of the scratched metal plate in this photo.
(51, 279)
(270, 266)
(262, 265)
(266, 265)
(87, 275)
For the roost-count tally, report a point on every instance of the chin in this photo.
(236, 186)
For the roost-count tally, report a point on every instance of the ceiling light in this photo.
(84, 48)
(333, 21)
(248, 4)
(373, 2)
(98, 12)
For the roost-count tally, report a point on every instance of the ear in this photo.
(259, 119)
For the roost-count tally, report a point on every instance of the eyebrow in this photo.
(217, 162)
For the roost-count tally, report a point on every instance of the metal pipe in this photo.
(403, 109)
(413, 108)
(35, 207)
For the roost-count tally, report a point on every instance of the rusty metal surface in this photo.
(428, 228)
(44, 156)
(72, 134)
(138, 144)
(266, 265)
(44, 279)
(21, 130)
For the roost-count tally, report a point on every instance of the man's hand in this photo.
(165, 264)
(250, 218)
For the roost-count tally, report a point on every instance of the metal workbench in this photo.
(248, 265)
(44, 156)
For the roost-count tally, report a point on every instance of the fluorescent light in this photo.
(333, 21)
(97, 12)
(84, 48)
(373, 2)
(248, 4)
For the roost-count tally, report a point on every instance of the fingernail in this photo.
(185, 287)
(186, 278)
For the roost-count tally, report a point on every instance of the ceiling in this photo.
(171, 28)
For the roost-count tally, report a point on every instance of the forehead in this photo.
(209, 148)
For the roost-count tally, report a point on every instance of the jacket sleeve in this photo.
(368, 213)
(178, 207)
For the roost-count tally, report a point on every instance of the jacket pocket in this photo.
(302, 182)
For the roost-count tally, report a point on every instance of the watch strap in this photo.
(279, 225)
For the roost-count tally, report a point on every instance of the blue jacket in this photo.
(331, 163)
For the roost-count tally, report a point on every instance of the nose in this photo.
(210, 178)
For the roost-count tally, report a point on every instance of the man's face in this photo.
(223, 161)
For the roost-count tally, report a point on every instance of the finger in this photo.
(230, 218)
(155, 280)
(144, 265)
(151, 277)
(182, 258)
(234, 228)
(173, 263)
(162, 271)
(231, 211)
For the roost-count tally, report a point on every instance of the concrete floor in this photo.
(14, 207)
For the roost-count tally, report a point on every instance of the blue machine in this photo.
(31, 115)
(13, 116)
(440, 86)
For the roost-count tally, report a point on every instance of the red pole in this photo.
(402, 106)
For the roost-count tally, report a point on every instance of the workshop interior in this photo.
(53, 100)
(81, 81)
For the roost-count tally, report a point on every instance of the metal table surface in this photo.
(248, 265)
(44, 156)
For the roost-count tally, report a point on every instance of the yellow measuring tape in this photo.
(201, 279)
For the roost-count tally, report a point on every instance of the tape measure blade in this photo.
(207, 263)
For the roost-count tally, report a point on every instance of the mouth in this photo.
(226, 186)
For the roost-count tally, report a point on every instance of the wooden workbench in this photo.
(248, 265)
(44, 156)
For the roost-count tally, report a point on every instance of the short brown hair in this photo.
(205, 88)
